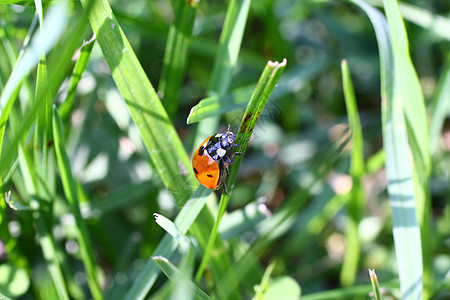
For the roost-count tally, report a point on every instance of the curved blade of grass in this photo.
(175, 54)
(407, 87)
(225, 60)
(266, 84)
(406, 230)
(70, 191)
(440, 106)
(355, 207)
(172, 271)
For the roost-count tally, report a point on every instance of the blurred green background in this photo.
(298, 159)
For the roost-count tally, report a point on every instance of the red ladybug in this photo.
(212, 157)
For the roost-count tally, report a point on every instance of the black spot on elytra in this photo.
(209, 175)
(195, 170)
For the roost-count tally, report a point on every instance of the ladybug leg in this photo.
(232, 156)
(225, 188)
(230, 161)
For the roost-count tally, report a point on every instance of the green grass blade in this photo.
(355, 207)
(70, 191)
(440, 106)
(229, 46)
(408, 92)
(215, 106)
(225, 60)
(172, 271)
(266, 84)
(401, 189)
(176, 53)
(401, 196)
(375, 285)
(78, 70)
(408, 88)
(44, 162)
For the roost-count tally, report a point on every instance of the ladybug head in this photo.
(227, 139)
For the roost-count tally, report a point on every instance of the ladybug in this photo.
(212, 157)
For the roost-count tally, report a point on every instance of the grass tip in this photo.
(276, 64)
(160, 258)
(373, 275)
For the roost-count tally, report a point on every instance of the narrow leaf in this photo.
(176, 53)
(355, 207)
(70, 192)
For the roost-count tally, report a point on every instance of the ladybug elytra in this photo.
(212, 158)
